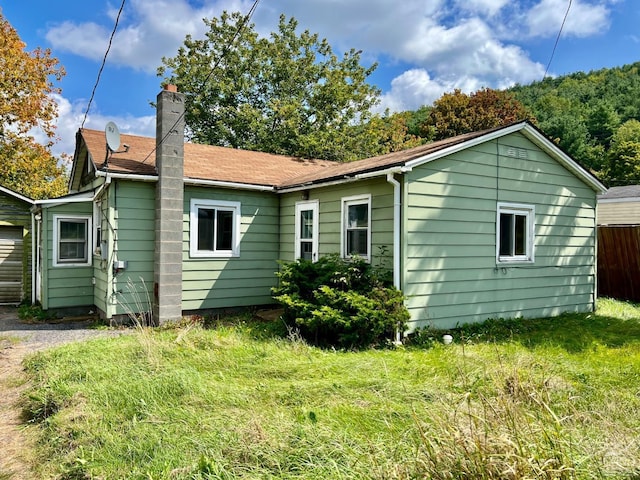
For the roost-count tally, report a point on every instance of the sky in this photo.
(423, 48)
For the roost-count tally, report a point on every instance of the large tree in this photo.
(624, 155)
(457, 113)
(287, 94)
(26, 103)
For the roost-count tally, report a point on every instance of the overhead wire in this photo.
(238, 31)
(104, 61)
(555, 45)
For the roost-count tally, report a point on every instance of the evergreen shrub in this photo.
(344, 303)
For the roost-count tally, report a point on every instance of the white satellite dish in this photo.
(112, 134)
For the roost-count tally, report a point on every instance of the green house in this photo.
(15, 247)
(499, 223)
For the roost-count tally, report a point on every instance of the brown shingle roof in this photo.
(206, 162)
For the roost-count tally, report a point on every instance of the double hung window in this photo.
(71, 240)
(356, 226)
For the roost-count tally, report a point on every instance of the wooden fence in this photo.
(619, 262)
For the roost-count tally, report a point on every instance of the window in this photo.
(71, 240)
(97, 226)
(515, 233)
(356, 231)
(214, 228)
(306, 246)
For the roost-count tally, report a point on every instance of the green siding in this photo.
(64, 286)
(214, 283)
(330, 206)
(449, 216)
(132, 239)
(16, 213)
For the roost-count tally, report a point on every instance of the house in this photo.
(619, 206)
(499, 223)
(15, 247)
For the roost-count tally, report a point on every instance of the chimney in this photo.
(167, 292)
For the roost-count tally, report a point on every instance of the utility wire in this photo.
(555, 45)
(104, 60)
(238, 31)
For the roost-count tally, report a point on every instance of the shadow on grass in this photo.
(573, 332)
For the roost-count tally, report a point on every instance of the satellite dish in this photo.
(112, 134)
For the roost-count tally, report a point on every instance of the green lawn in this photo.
(550, 398)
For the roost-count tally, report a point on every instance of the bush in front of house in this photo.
(340, 303)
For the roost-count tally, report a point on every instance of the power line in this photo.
(104, 60)
(238, 31)
(555, 45)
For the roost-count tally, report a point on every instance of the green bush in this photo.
(340, 303)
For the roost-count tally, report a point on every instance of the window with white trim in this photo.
(356, 226)
(71, 240)
(97, 226)
(214, 228)
(515, 233)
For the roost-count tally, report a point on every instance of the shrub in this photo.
(340, 303)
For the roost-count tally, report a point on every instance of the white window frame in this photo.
(312, 205)
(234, 207)
(346, 203)
(529, 212)
(88, 241)
(97, 227)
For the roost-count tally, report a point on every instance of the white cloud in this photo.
(584, 19)
(148, 30)
(70, 115)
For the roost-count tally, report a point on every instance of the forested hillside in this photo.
(594, 117)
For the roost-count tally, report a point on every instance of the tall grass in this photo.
(553, 398)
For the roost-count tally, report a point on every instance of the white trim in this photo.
(222, 184)
(532, 134)
(345, 203)
(127, 176)
(529, 212)
(88, 243)
(17, 195)
(234, 207)
(312, 205)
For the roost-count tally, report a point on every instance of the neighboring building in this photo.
(15, 247)
(499, 223)
(620, 206)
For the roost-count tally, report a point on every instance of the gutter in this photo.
(187, 181)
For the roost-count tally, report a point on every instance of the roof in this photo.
(243, 167)
(16, 195)
(628, 193)
(204, 162)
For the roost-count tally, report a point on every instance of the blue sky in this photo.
(423, 47)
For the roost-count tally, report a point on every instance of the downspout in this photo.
(34, 239)
(396, 238)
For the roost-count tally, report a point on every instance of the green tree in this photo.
(624, 155)
(457, 113)
(286, 94)
(26, 103)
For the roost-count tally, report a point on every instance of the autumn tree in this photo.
(26, 103)
(457, 113)
(286, 94)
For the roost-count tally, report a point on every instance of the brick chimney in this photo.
(167, 305)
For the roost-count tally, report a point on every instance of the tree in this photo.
(624, 155)
(457, 113)
(26, 103)
(286, 94)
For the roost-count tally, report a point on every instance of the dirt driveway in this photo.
(17, 340)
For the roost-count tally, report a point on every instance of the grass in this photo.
(549, 398)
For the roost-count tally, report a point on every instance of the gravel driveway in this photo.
(17, 340)
(38, 336)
